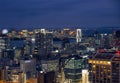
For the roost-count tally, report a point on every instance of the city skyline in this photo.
(59, 13)
(59, 56)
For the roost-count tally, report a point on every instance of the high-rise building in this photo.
(3, 43)
(105, 40)
(105, 68)
(85, 76)
(44, 42)
(117, 38)
(79, 35)
(2, 74)
(73, 66)
(28, 47)
(29, 67)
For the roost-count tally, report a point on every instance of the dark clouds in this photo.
(37, 13)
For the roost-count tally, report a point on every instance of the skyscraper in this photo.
(73, 66)
(3, 43)
(85, 76)
(117, 38)
(28, 67)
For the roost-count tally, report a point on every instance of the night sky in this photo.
(59, 13)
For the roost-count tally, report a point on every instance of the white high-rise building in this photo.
(85, 74)
(79, 35)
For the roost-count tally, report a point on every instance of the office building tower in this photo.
(105, 67)
(97, 38)
(4, 43)
(117, 38)
(28, 67)
(73, 66)
(105, 40)
(44, 42)
(85, 76)
(79, 35)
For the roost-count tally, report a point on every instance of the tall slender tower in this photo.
(79, 35)
(85, 76)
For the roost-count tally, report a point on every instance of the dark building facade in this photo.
(117, 38)
(48, 77)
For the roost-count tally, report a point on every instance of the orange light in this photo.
(90, 61)
(109, 62)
